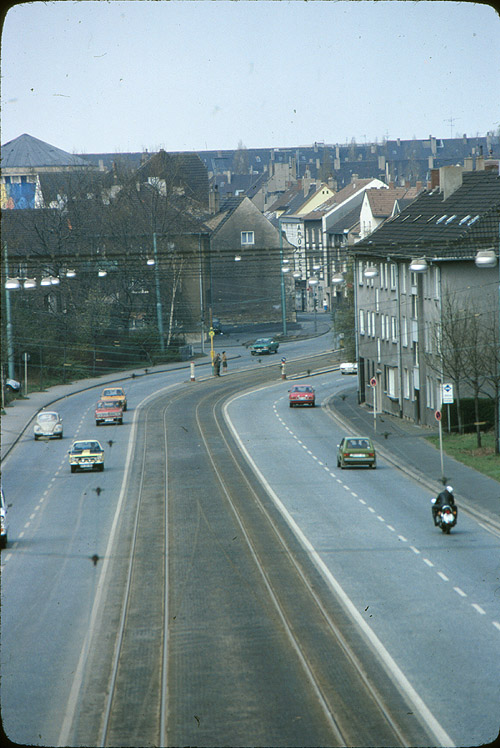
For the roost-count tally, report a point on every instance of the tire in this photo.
(291, 405)
(97, 423)
(100, 468)
(120, 421)
(374, 466)
(73, 468)
(313, 405)
(36, 437)
(60, 435)
(3, 542)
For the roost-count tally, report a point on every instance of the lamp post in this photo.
(8, 320)
(283, 271)
(487, 258)
(159, 312)
(314, 282)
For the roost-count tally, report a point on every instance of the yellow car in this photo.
(86, 454)
(114, 395)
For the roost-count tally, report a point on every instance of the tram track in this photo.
(226, 633)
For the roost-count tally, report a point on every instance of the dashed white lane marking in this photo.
(415, 550)
(478, 608)
(21, 534)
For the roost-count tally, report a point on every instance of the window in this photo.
(394, 330)
(393, 276)
(360, 272)
(392, 379)
(377, 299)
(403, 278)
(382, 326)
(247, 237)
(406, 384)
(361, 322)
(404, 332)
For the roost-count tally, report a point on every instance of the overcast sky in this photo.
(97, 77)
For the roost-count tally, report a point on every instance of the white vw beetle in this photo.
(49, 424)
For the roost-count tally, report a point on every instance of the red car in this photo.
(108, 412)
(302, 394)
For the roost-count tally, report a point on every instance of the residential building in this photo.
(247, 257)
(401, 312)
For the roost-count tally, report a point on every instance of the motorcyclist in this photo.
(445, 497)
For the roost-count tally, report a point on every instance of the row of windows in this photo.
(410, 382)
(388, 275)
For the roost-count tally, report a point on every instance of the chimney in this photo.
(480, 162)
(418, 186)
(213, 200)
(450, 179)
(468, 163)
(434, 178)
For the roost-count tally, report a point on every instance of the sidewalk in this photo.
(404, 444)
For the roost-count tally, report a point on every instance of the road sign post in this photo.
(373, 383)
(438, 416)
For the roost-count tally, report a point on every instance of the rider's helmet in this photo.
(449, 489)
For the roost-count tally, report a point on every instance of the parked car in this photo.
(348, 368)
(108, 411)
(48, 423)
(216, 326)
(302, 394)
(356, 450)
(4, 525)
(115, 395)
(86, 454)
(264, 345)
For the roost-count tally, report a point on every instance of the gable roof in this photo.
(185, 170)
(27, 152)
(382, 201)
(214, 223)
(463, 223)
(340, 197)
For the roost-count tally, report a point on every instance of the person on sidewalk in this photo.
(224, 362)
(217, 365)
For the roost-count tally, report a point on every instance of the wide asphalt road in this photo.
(176, 599)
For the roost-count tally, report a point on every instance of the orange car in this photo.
(302, 394)
(115, 395)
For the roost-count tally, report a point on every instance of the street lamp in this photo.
(487, 258)
(419, 265)
(314, 282)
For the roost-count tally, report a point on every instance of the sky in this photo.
(111, 76)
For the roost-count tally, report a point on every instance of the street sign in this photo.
(447, 393)
(211, 333)
(283, 360)
(373, 382)
(437, 415)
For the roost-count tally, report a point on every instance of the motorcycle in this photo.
(445, 517)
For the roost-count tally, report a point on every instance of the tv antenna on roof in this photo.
(451, 120)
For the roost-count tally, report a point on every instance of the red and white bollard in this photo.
(192, 371)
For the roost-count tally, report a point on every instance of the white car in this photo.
(4, 525)
(348, 368)
(48, 423)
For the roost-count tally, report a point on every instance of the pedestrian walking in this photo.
(217, 365)
(224, 362)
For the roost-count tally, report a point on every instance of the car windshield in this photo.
(358, 444)
(263, 341)
(47, 417)
(82, 446)
(107, 405)
(112, 393)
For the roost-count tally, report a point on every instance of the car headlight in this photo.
(38, 429)
(58, 428)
